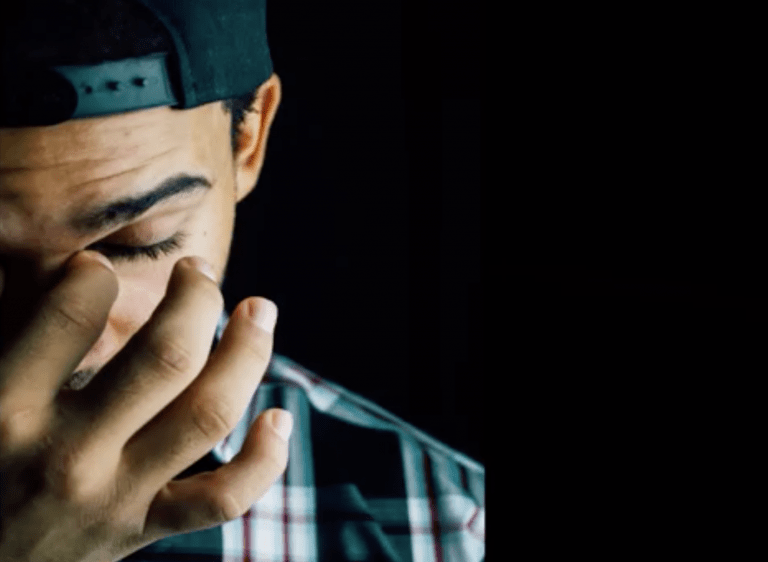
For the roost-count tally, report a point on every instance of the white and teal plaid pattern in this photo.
(361, 484)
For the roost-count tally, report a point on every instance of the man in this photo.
(137, 418)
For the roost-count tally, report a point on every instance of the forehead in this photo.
(126, 137)
(49, 173)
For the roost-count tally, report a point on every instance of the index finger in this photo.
(36, 362)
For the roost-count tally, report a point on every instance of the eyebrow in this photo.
(127, 209)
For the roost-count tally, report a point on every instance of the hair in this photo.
(92, 32)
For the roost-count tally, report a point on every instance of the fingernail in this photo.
(203, 267)
(98, 257)
(282, 421)
(264, 313)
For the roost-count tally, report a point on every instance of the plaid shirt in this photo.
(361, 484)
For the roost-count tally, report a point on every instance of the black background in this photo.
(364, 228)
(646, 227)
(654, 216)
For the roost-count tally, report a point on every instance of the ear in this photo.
(252, 140)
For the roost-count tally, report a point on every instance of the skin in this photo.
(49, 173)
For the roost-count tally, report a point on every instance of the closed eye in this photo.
(117, 252)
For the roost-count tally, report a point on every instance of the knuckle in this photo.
(67, 474)
(16, 426)
(72, 313)
(226, 507)
(72, 476)
(168, 355)
(213, 417)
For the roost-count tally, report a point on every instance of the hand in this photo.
(87, 475)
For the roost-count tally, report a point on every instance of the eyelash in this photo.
(117, 252)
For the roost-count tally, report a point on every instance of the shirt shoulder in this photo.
(360, 478)
(361, 484)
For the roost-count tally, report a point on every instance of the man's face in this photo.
(52, 176)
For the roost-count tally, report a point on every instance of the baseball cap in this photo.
(220, 52)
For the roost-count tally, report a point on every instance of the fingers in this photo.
(213, 498)
(157, 364)
(2, 286)
(69, 320)
(209, 409)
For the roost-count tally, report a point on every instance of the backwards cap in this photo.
(220, 52)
